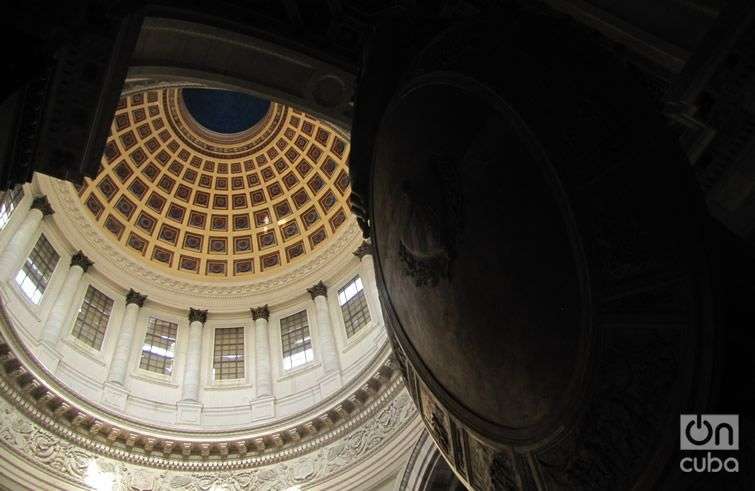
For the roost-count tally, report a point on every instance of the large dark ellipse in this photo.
(479, 256)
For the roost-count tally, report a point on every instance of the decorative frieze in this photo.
(61, 455)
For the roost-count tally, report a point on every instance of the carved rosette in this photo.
(197, 315)
(80, 260)
(260, 312)
(318, 290)
(40, 203)
(135, 297)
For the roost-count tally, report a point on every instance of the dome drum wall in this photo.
(74, 383)
(151, 398)
(536, 262)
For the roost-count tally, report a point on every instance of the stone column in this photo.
(328, 349)
(262, 359)
(15, 250)
(54, 326)
(122, 353)
(192, 372)
(367, 273)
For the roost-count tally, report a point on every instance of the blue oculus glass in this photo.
(224, 111)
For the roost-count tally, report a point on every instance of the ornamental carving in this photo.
(260, 313)
(80, 260)
(319, 290)
(196, 315)
(40, 203)
(44, 449)
(135, 297)
(364, 249)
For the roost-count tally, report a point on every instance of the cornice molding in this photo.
(63, 451)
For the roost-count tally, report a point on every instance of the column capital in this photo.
(40, 203)
(80, 260)
(197, 315)
(318, 290)
(364, 249)
(260, 312)
(135, 297)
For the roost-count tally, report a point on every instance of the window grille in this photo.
(93, 317)
(10, 202)
(353, 304)
(296, 341)
(158, 350)
(228, 359)
(35, 274)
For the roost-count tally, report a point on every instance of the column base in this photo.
(48, 356)
(329, 384)
(189, 412)
(263, 408)
(115, 396)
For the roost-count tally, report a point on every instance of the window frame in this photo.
(244, 356)
(75, 320)
(16, 195)
(309, 361)
(354, 334)
(19, 284)
(146, 322)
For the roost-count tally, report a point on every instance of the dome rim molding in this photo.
(23, 375)
(114, 264)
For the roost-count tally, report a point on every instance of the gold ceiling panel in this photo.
(206, 204)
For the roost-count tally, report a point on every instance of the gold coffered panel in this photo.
(206, 204)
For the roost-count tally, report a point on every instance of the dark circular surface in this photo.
(501, 330)
(224, 111)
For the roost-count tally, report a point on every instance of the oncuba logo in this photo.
(717, 432)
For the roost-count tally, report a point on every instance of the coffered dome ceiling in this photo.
(206, 203)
